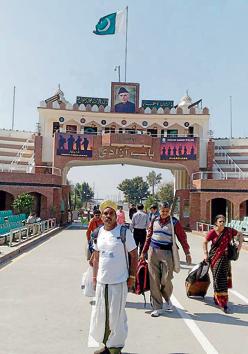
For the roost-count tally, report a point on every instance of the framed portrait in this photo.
(124, 97)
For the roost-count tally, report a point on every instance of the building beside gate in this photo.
(210, 174)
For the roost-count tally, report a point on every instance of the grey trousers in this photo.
(160, 265)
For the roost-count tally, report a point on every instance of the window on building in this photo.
(71, 129)
(191, 132)
(90, 130)
(55, 127)
(129, 131)
(152, 132)
(172, 132)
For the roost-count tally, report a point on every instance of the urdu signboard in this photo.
(157, 104)
(92, 101)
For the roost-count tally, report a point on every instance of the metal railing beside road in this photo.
(27, 232)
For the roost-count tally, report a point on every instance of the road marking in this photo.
(239, 295)
(201, 338)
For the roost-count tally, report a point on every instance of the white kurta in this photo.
(117, 294)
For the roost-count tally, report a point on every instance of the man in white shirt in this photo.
(139, 224)
(112, 280)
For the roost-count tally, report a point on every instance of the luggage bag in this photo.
(197, 281)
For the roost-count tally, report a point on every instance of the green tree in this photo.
(82, 193)
(23, 203)
(149, 201)
(135, 190)
(166, 192)
(153, 179)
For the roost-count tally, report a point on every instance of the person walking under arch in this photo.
(111, 279)
(94, 223)
(139, 224)
(220, 236)
(121, 219)
(132, 211)
(160, 262)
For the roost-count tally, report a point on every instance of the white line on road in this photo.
(234, 292)
(202, 339)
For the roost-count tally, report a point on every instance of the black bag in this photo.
(197, 281)
(233, 253)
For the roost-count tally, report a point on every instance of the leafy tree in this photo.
(135, 190)
(23, 203)
(166, 192)
(153, 179)
(151, 200)
(82, 193)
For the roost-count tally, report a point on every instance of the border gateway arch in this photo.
(94, 134)
(153, 133)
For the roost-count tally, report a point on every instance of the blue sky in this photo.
(173, 45)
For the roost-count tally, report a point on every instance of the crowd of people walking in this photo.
(149, 237)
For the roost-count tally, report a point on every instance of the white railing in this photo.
(138, 132)
(217, 167)
(203, 227)
(31, 163)
(218, 175)
(228, 160)
(31, 169)
(29, 231)
(19, 155)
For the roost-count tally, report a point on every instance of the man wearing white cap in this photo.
(112, 279)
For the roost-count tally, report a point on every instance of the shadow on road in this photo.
(219, 316)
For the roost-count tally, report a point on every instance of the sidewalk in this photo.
(8, 253)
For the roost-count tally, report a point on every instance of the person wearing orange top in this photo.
(95, 222)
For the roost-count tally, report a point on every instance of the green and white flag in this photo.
(112, 23)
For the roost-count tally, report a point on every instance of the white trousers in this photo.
(117, 295)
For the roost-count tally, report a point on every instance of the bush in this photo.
(23, 203)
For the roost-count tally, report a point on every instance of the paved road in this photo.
(44, 312)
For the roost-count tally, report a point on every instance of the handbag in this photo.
(232, 252)
(175, 253)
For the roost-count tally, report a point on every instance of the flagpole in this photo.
(126, 45)
(13, 109)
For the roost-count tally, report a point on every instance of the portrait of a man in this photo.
(124, 97)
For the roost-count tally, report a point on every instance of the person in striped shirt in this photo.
(160, 262)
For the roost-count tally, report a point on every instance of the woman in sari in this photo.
(218, 258)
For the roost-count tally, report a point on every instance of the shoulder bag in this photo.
(175, 253)
(232, 253)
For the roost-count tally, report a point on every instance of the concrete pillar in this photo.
(236, 211)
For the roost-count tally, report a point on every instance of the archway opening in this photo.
(6, 200)
(40, 203)
(243, 209)
(221, 206)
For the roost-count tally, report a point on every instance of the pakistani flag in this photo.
(111, 24)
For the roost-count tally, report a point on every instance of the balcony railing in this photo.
(218, 175)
